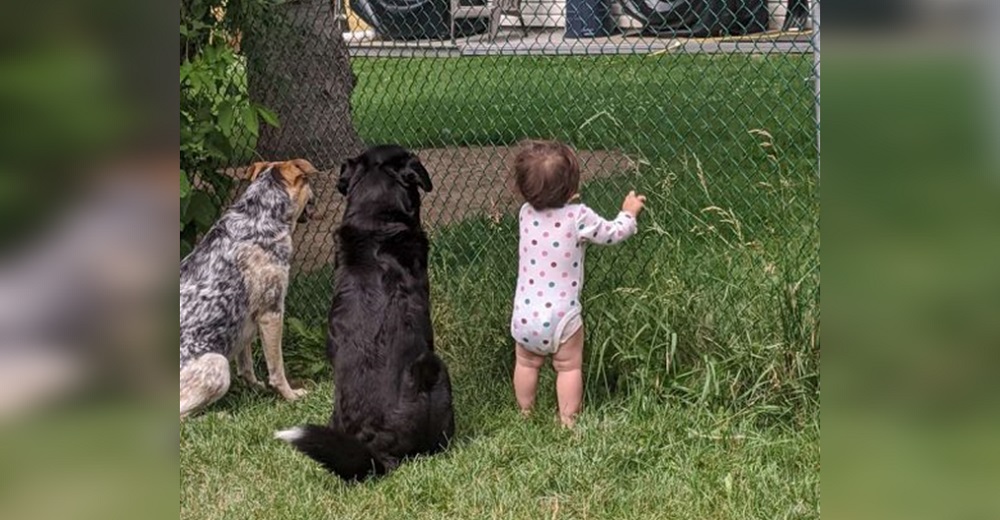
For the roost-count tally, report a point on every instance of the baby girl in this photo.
(554, 232)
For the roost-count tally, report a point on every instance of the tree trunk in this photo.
(298, 67)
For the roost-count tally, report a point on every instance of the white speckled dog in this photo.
(234, 282)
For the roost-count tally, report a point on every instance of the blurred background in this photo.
(88, 212)
(910, 254)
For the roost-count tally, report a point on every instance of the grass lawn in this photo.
(702, 351)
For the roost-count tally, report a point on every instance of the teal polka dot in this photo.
(536, 223)
(532, 261)
(555, 244)
(546, 324)
(552, 284)
(581, 227)
(527, 301)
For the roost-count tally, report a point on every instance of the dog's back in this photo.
(392, 393)
(215, 296)
(233, 286)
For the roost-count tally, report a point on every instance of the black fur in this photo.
(392, 396)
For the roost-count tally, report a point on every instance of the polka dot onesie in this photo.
(550, 272)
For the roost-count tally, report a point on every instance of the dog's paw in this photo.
(292, 394)
(254, 383)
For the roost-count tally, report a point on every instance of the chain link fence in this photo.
(709, 107)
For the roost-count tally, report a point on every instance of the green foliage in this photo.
(219, 123)
(309, 343)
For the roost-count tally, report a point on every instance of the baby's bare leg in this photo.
(526, 377)
(568, 363)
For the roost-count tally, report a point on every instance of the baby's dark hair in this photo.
(546, 173)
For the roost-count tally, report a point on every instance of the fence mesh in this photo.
(707, 107)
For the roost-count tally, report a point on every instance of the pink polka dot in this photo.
(541, 273)
(570, 215)
(619, 232)
(526, 250)
(568, 254)
(545, 234)
(540, 294)
(545, 253)
(565, 275)
(534, 333)
(569, 235)
(558, 224)
(522, 287)
(562, 295)
(561, 314)
(536, 314)
(553, 264)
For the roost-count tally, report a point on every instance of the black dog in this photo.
(392, 395)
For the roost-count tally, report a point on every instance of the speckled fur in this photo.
(233, 285)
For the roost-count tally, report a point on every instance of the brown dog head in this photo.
(294, 175)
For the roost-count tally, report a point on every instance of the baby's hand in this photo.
(633, 203)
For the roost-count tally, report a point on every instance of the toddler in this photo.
(554, 231)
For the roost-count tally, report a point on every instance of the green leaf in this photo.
(201, 209)
(185, 185)
(226, 118)
(185, 217)
(269, 117)
(250, 120)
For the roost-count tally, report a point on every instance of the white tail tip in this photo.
(289, 435)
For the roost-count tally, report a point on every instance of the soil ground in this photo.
(468, 181)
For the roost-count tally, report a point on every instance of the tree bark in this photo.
(299, 67)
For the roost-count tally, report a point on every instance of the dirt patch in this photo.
(468, 182)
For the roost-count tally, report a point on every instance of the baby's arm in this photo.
(594, 229)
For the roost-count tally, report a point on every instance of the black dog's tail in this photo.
(338, 452)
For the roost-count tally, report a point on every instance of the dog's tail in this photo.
(336, 451)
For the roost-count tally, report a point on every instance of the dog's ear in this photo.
(305, 166)
(346, 172)
(414, 173)
(256, 170)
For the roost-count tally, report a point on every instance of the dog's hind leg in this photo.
(244, 365)
(424, 371)
(203, 381)
(270, 336)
